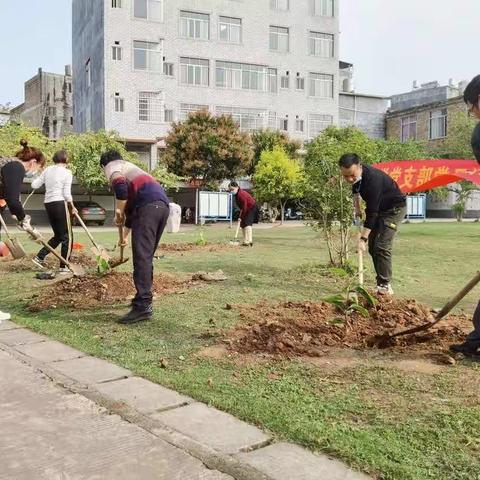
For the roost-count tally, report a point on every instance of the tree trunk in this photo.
(282, 213)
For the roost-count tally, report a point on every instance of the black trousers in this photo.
(250, 218)
(380, 242)
(57, 215)
(148, 224)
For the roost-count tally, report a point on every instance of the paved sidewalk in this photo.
(68, 416)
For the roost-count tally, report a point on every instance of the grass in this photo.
(392, 424)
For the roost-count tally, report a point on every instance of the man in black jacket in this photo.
(385, 210)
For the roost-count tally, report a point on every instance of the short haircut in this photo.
(110, 156)
(472, 92)
(233, 184)
(60, 157)
(476, 142)
(349, 159)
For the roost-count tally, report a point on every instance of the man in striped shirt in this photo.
(142, 207)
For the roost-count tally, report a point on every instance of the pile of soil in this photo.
(51, 263)
(190, 247)
(309, 328)
(97, 291)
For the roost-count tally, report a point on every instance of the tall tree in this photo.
(457, 145)
(267, 140)
(208, 148)
(277, 179)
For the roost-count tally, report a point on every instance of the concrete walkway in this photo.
(68, 416)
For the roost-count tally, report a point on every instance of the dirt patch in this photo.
(308, 328)
(190, 247)
(94, 291)
(51, 263)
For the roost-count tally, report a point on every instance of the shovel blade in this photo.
(77, 270)
(15, 248)
(116, 262)
(100, 252)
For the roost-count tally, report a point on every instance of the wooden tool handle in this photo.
(122, 239)
(82, 224)
(4, 226)
(360, 268)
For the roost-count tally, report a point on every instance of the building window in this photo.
(248, 119)
(279, 4)
(194, 71)
(119, 104)
(279, 39)
(187, 108)
(272, 80)
(116, 52)
(71, 120)
(272, 120)
(285, 81)
(147, 56)
(317, 123)
(323, 8)
(438, 124)
(168, 115)
(300, 83)
(321, 44)
(150, 107)
(321, 85)
(116, 3)
(195, 25)
(299, 125)
(69, 88)
(409, 128)
(241, 76)
(168, 69)
(148, 10)
(88, 73)
(230, 29)
(283, 124)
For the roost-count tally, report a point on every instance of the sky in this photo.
(390, 42)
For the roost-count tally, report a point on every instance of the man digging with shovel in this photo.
(471, 96)
(142, 207)
(385, 210)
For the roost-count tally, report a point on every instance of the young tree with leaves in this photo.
(268, 140)
(209, 148)
(278, 179)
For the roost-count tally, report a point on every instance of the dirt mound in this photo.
(190, 247)
(51, 263)
(95, 291)
(307, 328)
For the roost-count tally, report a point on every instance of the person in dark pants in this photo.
(142, 207)
(58, 200)
(248, 212)
(385, 210)
(471, 96)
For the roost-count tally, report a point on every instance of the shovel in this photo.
(235, 241)
(386, 339)
(120, 261)
(77, 270)
(12, 243)
(97, 249)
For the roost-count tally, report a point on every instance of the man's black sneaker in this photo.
(469, 349)
(135, 315)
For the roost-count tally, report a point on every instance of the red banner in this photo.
(420, 175)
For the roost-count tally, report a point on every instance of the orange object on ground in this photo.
(78, 246)
(4, 251)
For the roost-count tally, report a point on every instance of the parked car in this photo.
(90, 212)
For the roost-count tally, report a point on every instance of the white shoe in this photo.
(64, 271)
(384, 289)
(4, 316)
(39, 263)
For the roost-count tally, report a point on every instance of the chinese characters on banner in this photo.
(420, 175)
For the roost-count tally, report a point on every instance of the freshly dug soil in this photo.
(51, 263)
(190, 247)
(309, 328)
(97, 291)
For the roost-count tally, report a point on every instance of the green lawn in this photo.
(390, 422)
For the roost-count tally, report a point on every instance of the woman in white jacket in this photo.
(58, 197)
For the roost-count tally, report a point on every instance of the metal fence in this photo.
(417, 206)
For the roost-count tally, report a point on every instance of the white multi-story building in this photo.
(141, 64)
